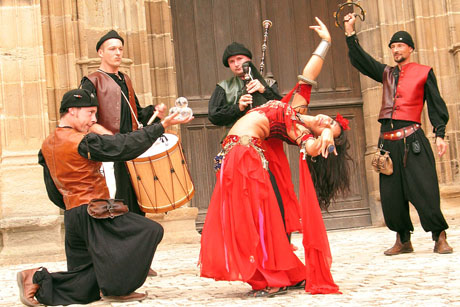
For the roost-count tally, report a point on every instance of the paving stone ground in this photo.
(364, 274)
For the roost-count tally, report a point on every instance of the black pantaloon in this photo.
(124, 187)
(111, 256)
(417, 183)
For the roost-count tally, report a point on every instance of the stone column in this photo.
(30, 228)
(161, 55)
(127, 17)
(433, 50)
(59, 47)
(453, 22)
(179, 224)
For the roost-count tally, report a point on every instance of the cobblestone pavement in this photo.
(365, 276)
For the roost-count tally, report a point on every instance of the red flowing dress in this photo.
(244, 237)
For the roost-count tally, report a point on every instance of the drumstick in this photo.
(155, 114)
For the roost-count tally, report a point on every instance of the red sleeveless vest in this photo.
(406, 101)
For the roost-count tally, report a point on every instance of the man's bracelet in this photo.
(322, 48)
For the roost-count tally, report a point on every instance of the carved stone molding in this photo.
(454, 48)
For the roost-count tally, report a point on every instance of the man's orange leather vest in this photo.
(406, 101)
(110, 98)
(77, 179)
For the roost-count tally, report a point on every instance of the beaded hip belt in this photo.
(245, 140)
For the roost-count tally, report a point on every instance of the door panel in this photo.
(201, 31)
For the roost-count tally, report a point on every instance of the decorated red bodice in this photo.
(281, 117)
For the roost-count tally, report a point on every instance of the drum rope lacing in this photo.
(186, 187)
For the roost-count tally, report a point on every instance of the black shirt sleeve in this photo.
(144, 114)
(362, 61)
(437, 109)
(220, 112)
(272, 92)
(121, 146)
(53, 193)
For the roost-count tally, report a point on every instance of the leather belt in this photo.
(399, 134)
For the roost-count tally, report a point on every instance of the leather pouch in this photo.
(99, 208)
(415, 145)
(381, 162)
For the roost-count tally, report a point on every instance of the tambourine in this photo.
(349, 3)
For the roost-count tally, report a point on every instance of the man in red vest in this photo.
(106, 257)
(406, 87)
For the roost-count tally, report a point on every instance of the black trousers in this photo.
(125, 188)
(280, 200)
(111, 256)
(278, 196)
(417, 183)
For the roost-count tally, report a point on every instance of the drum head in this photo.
(162, 144)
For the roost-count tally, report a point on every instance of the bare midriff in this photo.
(252, 124)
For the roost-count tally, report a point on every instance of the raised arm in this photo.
(313, 66)
(359, 58)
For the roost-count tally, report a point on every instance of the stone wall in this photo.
(46, 48)
(29, 225)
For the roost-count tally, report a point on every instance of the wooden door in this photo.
(201, 31)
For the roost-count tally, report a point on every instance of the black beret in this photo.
(109, 35)
(402, 37)
(234, 49)
(78, 98)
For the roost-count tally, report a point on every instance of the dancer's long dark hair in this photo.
(331, 176)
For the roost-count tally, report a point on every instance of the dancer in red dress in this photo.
(244, 236)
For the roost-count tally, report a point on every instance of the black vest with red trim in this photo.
(405, 102)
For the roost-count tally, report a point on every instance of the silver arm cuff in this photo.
(308, 81)
(322, 49)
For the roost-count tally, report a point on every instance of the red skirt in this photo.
(279, 166)
(243, 236)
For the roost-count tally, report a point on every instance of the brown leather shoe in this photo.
(399, 248)
(27, 288)
(152, 273)
(133, 296)
(441, 246)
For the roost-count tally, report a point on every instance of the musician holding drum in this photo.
(108, 250)
(119, 112)
(119, 109)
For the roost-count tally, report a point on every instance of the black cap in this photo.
(234, 49)
(109, 35)
(402, 37)
(78, 98)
